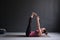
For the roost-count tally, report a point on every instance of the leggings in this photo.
(28, 30)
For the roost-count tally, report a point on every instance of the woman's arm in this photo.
(38, 26)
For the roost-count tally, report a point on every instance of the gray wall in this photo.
(15, 14)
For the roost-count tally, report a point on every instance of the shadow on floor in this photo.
(14, 36)
(20, 36)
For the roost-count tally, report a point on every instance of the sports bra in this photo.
(33, 33)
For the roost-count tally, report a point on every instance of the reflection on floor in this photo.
(21, 36)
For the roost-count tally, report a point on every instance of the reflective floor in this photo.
(21, 36)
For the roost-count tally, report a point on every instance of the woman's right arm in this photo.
(38, 26)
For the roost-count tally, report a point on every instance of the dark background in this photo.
(14, 14)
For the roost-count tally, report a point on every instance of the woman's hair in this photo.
(45, 32)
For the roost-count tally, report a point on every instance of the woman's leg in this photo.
(28, 31)
(28, 28)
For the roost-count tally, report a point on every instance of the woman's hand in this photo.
(33, 14)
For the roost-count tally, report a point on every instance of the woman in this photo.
(39, 31)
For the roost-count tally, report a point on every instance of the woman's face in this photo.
(42, 29)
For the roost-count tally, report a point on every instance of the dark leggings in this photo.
(28, 28)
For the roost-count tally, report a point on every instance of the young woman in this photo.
(39, 31)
